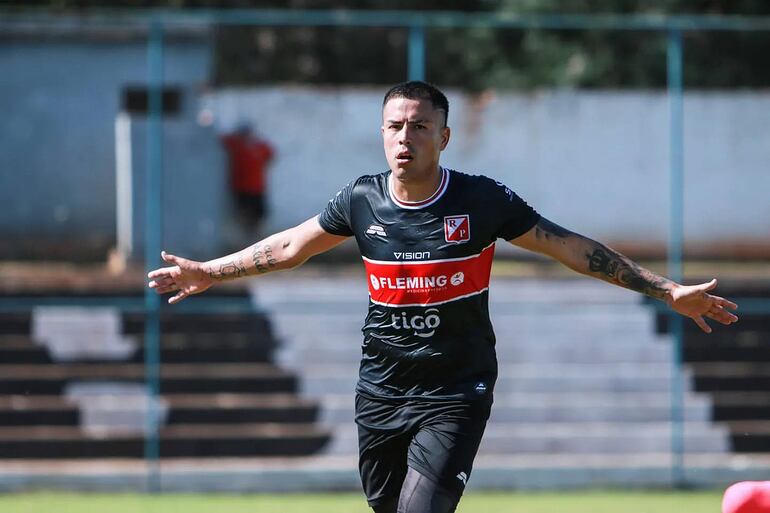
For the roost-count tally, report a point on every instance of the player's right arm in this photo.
(284, 250)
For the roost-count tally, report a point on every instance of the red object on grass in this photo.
(747, 497)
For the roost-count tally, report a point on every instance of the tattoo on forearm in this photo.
(228, 270)
(545, 229)
(263, 258)
(626, 273)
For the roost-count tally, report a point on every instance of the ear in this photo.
(445, 133)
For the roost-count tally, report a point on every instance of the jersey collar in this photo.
(413, 205)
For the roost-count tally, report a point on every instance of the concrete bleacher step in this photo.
(597, 438)
(27, 410)
(575, 438)
(558, 407)
(731, 368)
(581, 326)
(641, 349)
(204, 440)
(20, 410)
(174, 348)
(319, 346)
(22, 349)
(72, 383)
(731, 376)
(749, 435)
(21, 322)
(756, 397)
(326, 378)
(174, 378)
(195, 323)
(744, 346)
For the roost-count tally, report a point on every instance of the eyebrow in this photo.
(413, 122)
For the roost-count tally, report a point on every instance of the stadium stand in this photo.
(221, 395)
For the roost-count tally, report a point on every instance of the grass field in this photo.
(474, 502)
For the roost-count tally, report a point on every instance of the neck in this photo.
(414, 190)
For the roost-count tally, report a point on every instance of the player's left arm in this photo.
(594, 259)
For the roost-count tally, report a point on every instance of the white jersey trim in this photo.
(399, 305)
(418, 262)
(416, 205)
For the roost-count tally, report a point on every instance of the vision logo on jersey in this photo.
(457, 229)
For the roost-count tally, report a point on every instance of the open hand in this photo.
(185, 277)
(693, 301)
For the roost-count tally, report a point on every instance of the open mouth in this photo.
(404, 156)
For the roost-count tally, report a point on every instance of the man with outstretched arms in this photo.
(426, 234)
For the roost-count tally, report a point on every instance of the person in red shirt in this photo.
(249, 157)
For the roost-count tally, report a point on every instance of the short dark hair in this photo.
(417, 90)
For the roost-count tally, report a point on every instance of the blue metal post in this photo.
(416, 61)
(152, 248)
(675, 244)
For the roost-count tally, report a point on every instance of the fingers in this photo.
(701, 323)
(163, 281)
(724, 303)
(167, 289)
(717, 311)
(166, 271)
(172, 259)
(159, 273)
(710, 285)
(721, 315)
(178, 297)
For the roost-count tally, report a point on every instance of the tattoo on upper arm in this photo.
(626, 273)
(546, 230)
(263, 258)
(227, 270)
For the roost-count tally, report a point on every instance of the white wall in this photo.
(596, 162)
(59, 100)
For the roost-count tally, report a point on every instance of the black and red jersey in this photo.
(427, 332)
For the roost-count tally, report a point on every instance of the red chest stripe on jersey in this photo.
(428, 282)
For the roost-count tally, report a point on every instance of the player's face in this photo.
(414, 135)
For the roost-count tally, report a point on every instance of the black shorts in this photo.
(439, 439)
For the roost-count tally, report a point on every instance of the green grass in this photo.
(473, 502)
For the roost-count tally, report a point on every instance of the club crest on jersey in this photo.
(457, 229)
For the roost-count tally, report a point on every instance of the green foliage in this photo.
(477, 58)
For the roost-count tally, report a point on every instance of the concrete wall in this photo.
(59, 100)
(596, 162)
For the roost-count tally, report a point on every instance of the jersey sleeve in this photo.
(335, 218)
(516, 216)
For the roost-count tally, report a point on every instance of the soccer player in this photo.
(427, 236)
